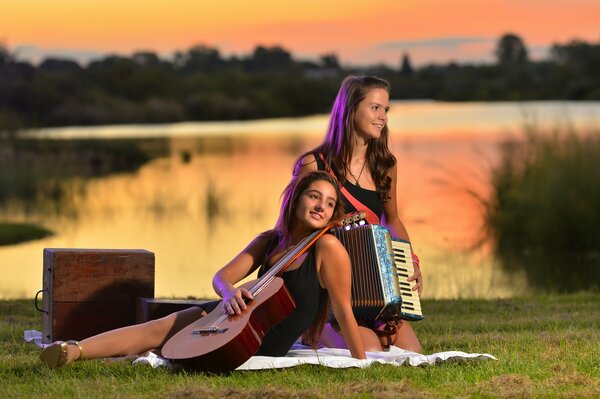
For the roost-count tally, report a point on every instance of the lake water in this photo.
(220, 183)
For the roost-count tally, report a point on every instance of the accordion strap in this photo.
(372, 218)
(386, 331)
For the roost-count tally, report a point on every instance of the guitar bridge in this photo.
(209, 331)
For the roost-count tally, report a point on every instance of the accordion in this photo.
(380, 267)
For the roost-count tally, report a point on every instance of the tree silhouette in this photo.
(511, 49)
(59, 65)
(199, 58)
(201, 84)
(273, 58)
(330, 61)
(406, 68)
(5, 56)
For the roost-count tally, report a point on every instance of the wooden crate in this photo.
(154, 308)
(89, 291)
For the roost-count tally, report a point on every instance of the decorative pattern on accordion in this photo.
(379, 272)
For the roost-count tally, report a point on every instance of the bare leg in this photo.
(136, 339)
(404, 338)
(332, 338)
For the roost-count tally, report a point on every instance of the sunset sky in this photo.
(359, 32)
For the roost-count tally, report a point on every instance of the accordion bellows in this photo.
(381, 266)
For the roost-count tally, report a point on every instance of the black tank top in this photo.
(369, 198)
(303, 285)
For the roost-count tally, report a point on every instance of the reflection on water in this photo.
(193, 213)
(198, 205)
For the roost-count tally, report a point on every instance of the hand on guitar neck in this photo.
(235, 299)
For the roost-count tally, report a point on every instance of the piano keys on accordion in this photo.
(381, 266)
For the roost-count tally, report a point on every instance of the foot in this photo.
(58, 354)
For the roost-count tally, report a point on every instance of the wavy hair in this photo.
(285, 222)
(289, 202)
(338, 144)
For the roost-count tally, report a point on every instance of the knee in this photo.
(406, 338)
(410, 343)
(413, 347)
(370, 340)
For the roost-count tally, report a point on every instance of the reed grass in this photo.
(547, 347)
(544, 212)
(546, 194)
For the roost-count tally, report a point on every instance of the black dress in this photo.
(303, 285)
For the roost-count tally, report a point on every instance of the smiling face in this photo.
(316, 204)
(371, 114)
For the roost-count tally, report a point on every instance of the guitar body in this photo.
(219, 342)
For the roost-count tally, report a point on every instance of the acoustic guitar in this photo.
(221, 342)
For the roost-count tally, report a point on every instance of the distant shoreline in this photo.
(17, 233)
(407, 117)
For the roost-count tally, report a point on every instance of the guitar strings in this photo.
(269, 275)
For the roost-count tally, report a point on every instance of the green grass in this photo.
(547, 346)
(15, 233)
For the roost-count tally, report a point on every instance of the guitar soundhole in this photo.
(209, 331)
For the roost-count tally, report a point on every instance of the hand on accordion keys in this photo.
(417, 275)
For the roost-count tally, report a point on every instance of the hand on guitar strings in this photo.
(235, 299)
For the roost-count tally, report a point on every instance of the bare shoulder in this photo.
(308, 163)
(259, 243)
(332, 261)
(328, 244)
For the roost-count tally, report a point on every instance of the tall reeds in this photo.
(544, 213)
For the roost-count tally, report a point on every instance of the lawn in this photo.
(547, 346)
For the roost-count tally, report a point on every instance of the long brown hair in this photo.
(337, 146)
(285, 222)
(289, 202)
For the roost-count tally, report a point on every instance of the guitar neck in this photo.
(289, 258)
(301, 247)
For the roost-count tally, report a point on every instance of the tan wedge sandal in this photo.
(57, 354)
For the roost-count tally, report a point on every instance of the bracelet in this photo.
(415, 259)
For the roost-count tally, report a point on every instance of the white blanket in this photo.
(328, 357)
(340, 358)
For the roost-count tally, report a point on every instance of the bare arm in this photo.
(333, 265)
(239, 267)
(307, 164)
(391, 220)
(396, 227)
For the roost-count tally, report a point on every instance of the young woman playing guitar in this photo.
(318, 276)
